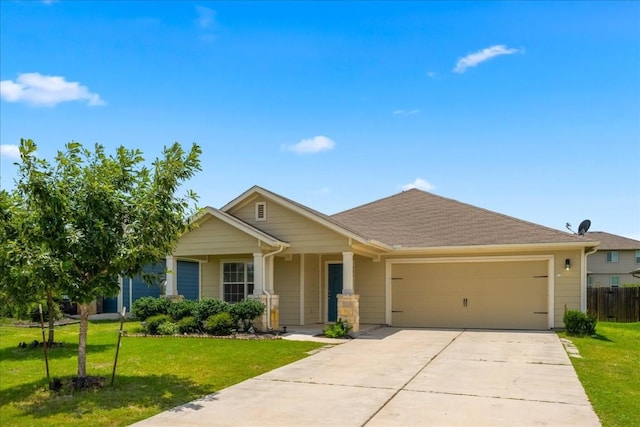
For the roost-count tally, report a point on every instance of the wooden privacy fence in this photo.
(614, 304)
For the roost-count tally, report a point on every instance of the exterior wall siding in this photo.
(214, 237)
(188, 282)
(304, 235)
(369, 283)
(312, 289)
(211, 278)
(287, 285)
(601, 270)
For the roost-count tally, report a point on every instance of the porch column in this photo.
(258, 276)
(171, 287)
(347, 273)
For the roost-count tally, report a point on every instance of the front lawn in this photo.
(610, 372)
(153, 374)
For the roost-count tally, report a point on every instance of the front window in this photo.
(614, 281)
(237, 280)
(612, 256)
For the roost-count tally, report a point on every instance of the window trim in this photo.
(245, 283)
(637, 256)
(614, 285)
(611, 259)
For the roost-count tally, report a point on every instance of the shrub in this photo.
(181, 309)
(146, 307)
(34, 311)
(243, 313)
(188, 325)
(578, 323)
(168, 328)
(339, 329)
(219, 324)
(152, 324)
(206, 308)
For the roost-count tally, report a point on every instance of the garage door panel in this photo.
(474, 294)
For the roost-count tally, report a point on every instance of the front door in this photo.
(334, 287)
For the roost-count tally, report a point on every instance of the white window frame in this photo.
(611, 280)
(612, 257)
(261, 211)
(638, 256)
(244, 282)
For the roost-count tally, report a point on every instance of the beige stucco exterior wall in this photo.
(304, 235)
(215, 237)
(287, 286)
(601, 270)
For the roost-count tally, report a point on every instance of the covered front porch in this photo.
(296, 289)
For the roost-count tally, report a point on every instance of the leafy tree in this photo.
(97, 216)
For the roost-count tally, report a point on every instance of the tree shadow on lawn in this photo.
(600, 337)
(157, 392)
(59, 352)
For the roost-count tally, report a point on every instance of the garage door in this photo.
(503, 295)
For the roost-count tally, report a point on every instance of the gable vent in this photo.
(261, 211)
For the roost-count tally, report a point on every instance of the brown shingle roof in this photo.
(610, 241)
(415, 218)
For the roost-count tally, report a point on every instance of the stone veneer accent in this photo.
(274, 315)
(349, 310)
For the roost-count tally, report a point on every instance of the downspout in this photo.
(264, 283)
(583, 287)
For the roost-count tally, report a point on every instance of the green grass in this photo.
(153, 374)
(610, 372)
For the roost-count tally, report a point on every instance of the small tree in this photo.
(102, 216)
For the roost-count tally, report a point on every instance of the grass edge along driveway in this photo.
(609, 370)
(153, 374)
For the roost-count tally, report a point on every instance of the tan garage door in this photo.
(503, 295)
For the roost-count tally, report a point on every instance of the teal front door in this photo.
(334, 288)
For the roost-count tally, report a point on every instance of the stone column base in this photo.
(349, 310)
(263, 322)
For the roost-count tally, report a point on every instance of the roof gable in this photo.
(417, 219)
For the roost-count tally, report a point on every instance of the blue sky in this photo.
(531, 109)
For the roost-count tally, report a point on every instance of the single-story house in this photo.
(414, 259)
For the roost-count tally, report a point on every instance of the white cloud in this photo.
(405, 112)
(39, 90)
(322, 192)
(206, 17)
(480, 56)
(420, 184)
(10, 151)
(432, 74)
(311, 145)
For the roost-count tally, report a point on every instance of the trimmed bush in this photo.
(340, 329)
(577, 323)
(243, 313)
(146, 307)
(168, 328)
(181, 309)
(206, 308)
(219, 324)
(152, 324)
(188, 325)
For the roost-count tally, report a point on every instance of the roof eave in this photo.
(491, 248)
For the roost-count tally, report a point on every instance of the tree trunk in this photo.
(52, 317)
(82, 342)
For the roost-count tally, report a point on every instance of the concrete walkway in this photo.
(407, 377)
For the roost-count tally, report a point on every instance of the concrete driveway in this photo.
(404, 377)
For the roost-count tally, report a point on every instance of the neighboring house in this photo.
(611, 265)
(413, 259)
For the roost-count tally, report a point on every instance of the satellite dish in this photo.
(584, 227)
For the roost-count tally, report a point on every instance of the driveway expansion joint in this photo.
(412, 378)
(484, 396)
(368, 387)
